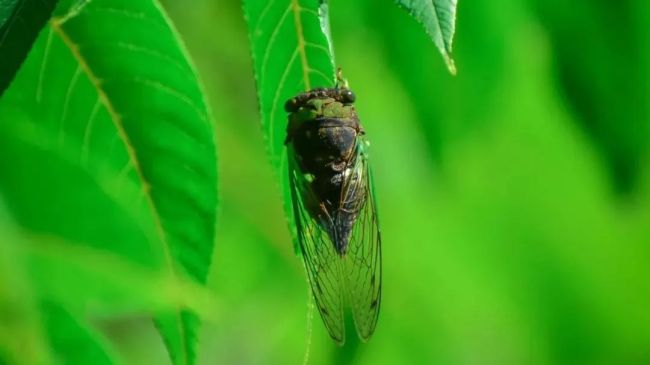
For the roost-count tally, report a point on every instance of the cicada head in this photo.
(335, 105)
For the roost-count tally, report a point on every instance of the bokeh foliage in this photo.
(508, 237)
(107, 144)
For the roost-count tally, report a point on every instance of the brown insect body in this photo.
(324, 130)
(334, 210)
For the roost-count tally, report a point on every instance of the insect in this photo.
(334, 207)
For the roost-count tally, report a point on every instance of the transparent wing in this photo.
(322, 263)
(362, 262)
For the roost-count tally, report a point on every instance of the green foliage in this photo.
(292, 53)
(613, 40)
(506, 241)
(68, 274)
(73, 342)
(514, 197)
(22, 338)
(438, 17)
(107, 142)
(20, 23)
(50, 287)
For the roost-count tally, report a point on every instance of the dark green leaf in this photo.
(20, 23)
(603, 98)
(116, 123)
(438, 17)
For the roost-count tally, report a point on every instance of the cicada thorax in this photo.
(325, 131)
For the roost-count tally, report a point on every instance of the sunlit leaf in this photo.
(438, 17)
(68, 274)
(74, 342)
(117, 126)
(292, 53)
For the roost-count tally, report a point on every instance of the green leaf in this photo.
(87, 202)
(22, 338)
(67, 274)
(110, 98)
(20, 23)
(65, 279)
(72, 341)
(33, 334)
(438, 17)
(292, 53)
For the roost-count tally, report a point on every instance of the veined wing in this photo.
(322, 263)
(362, 262)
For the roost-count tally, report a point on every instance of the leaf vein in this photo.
(276, 96)
(321, 74)
(117, 121)
(144, 50)
(295, 6)
(167, 89)
(12, 22)
(123, 12)
(66, 103)
(85, 146)
(263, 15)
(270, 43)
(41, 73)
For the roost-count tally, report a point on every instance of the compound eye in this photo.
(291, 105)
(348, 96)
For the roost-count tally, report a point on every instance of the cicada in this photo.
(334, 208)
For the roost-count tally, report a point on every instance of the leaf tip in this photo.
(451, 65)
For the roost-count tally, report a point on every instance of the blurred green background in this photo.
(514, 198)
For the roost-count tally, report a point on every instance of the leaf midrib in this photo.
(436, 14)
(295, 7)
(56, 24)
